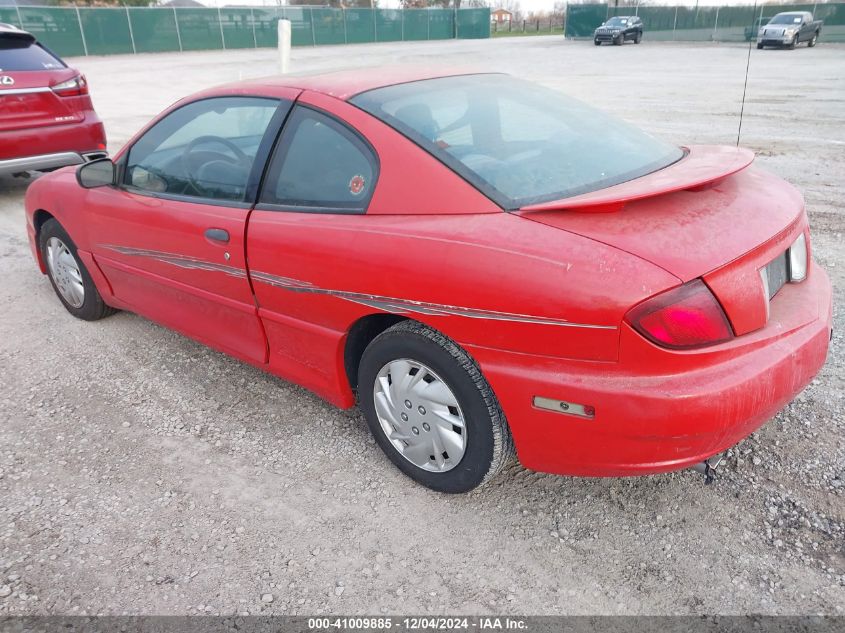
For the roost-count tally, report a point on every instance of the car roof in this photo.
(11, 31)
(341, 84)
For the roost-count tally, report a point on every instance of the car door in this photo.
(170, 237)
(317, 187)
(806, 29)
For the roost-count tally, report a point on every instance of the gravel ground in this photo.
(143, 473)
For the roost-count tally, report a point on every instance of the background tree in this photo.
(90, 3)
(443, 4)
(337, 4)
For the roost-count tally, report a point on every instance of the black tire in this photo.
(759, 47)
(813, 40)
(794, 42)
(93, 307)
(638, 38)
(617, 41)
(596, 42)
(489, 445)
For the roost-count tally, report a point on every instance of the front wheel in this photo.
(617, 41)
(793, 43)
(431, 410)
(759, 47)
(68, 275)
(596, 42)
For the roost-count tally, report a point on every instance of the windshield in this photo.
(617, 22)
(517, 142)
(786, 18)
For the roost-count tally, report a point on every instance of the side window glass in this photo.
(321, 164)
(205, 149)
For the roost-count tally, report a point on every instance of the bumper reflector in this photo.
(561, 406)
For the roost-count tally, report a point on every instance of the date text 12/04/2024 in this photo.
(418, 623)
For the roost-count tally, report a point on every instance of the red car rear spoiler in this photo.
(703, 165)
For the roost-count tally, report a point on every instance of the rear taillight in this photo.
(72, 88)
(684, 317)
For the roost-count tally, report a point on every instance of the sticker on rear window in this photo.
(357, 184)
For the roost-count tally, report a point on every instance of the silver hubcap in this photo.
(420, 415)
(65, 272)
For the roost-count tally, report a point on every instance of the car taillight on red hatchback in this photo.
(682, 318)
(75, 87)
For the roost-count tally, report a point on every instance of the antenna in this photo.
(747, 66)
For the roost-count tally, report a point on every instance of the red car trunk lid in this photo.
(706, 216)
(29, 102)
(690, 218)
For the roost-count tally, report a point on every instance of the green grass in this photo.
(529, 30)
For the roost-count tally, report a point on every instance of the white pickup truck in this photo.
(790, 29)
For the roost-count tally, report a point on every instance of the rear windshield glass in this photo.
(517, 142)
(19, 55)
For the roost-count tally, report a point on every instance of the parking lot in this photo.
(143, 473)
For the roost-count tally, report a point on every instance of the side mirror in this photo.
(97, 173)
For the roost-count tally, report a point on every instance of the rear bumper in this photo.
(51, 147)
(655, 416)
(41, 162)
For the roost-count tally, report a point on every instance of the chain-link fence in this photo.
(71, 30)
(716, 24)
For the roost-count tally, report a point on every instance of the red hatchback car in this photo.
(482, 263)
(47, 119)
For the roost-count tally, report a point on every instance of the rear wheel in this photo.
(813, 40)
(638, 38)
(431, 410)
(68, 275)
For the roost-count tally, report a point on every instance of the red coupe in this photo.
(485, 264)
(47, 119)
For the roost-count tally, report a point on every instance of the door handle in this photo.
(217, 235)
